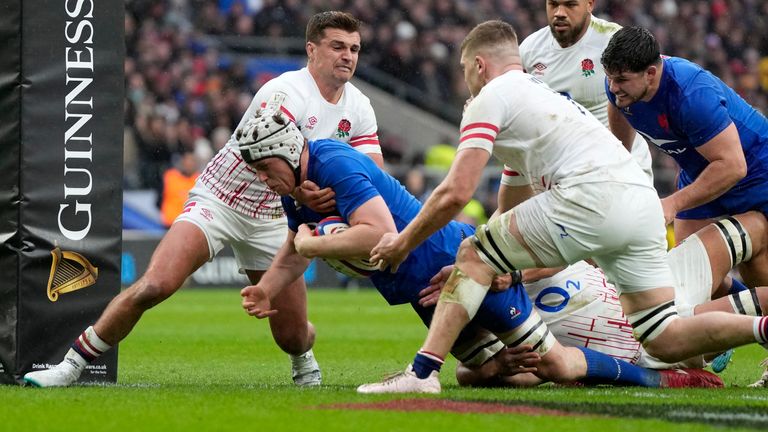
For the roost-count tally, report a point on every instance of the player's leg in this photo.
(718, 247)
(654, 317)
(181, 251)
(291, 330)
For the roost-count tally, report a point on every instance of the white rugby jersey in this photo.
(576, 71)
(542, 137)
(582, 309)
(351, 120)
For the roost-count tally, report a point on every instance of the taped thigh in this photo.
(690, 265)
(532, 332)
(736, 238)
(648, 324)
(475, 346)
(498, 248)
(746, 302)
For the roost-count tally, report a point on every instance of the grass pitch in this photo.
(198, 363)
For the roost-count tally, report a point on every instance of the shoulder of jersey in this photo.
(533, 39)
(356, 93)
(602, 26)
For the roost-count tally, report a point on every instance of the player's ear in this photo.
(310, 47)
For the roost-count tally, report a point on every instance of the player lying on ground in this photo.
(582, 309)
(374, 203)
(598, 204)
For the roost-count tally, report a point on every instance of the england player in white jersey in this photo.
(598, 204)
(566, 56)
(229, 205)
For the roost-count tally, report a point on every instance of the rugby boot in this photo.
(689, 378)
(763, 381)
(404, 382)
(305, 371)
(62, 375)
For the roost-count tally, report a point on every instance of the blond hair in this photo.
(489, 34)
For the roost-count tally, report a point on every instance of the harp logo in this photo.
(70, 271)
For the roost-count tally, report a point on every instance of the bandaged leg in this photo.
(737, 238)
(690, 265)
(461, 289)
(746, 303)
(648, 324)
(476, 346)
(498, 248)
(533, 332)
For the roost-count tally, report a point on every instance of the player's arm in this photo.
(378, 158)
(620, 127)
(726, 167)
(445, 202)
(511, 367)
(511, 196)
(368, 223)
(287, 266)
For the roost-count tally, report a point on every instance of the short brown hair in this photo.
(330, 19)
(488, 34)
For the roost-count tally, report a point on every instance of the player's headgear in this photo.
(271, 134)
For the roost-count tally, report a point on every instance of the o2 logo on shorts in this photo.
(556, 291)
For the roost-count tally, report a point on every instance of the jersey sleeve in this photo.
(703, 113)
(480, 123)
(514, 177)
(352, 185)
(365, 138)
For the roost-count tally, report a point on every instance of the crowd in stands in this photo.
(184, 95)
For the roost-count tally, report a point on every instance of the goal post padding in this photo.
(61, 99)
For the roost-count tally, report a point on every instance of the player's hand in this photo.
(256, 303)
(430, 295)
(389, 252)
(501, 283)
(669, 207)
(519, 359)
(299, 241)
(319, 200)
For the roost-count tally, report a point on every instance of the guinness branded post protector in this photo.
(61, 101)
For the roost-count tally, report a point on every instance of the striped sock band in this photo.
(760, 329)
(432, 356)
(89, 345)
(425, 363)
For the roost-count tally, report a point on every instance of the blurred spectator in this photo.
(177, 182)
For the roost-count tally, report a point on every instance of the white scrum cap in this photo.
(271, 134)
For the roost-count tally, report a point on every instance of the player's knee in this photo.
(670, 345)
(658, 330)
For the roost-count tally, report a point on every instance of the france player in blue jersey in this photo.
(719, 141)
(374, 203)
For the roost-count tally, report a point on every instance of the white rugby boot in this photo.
(305, 371)
(62, 375)
(763, 381)
(404, 382)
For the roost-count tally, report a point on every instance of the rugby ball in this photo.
(356, 268)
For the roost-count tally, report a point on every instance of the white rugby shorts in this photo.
(254, 241)
(619, 225)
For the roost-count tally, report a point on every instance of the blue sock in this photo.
(604, 369)
(425, 362)
(737, 286)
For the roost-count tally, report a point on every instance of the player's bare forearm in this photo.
(511, 196)
(287, 266)
(716, 179)
(354, 242)
(377, 158)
